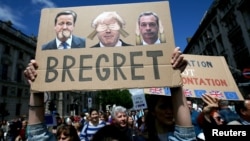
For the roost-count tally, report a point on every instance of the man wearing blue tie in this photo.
(64, 26)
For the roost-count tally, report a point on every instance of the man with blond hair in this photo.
(108, 28)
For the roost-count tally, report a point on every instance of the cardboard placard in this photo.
(139, 102)
(205, 74)
(135, 66)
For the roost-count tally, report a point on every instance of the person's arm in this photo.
(36, 108)
(36, 130)
(180, 107)
(83, 134)
(184, 130)
(36, 103)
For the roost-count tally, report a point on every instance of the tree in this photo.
(118, 97)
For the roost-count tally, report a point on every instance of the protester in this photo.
(142, 126)
(103, 117)
(168, 117)
(82, 120)
(132, 125)
(23, 130)
(2, 138)
(226, 113)
(210, 115)
(120, 120)
(59, 121)
(92, 126)
(109, 133)
(78, 126)
(243, 110)
(37, 128)
(194, 116)
(67, 133)
(5, 128)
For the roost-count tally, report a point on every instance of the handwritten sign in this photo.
(206, 74)
(87, 68)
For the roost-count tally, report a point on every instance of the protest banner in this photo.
(205, 74)
(139, 102)
(135, 66)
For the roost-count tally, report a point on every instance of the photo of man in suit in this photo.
(108, 28)
(64, 26)
(149, 29)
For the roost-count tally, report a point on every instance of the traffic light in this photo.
(51, 106)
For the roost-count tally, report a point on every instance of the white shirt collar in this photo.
(156, 42)
(58, 43)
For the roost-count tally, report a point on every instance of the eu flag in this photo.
(231, 95)
(199, 93)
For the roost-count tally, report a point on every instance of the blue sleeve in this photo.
(37, 132)
(83, 134)
(183, 134)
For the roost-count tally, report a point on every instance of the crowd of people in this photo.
(14, 129)
(157, 122)
(217, 112)
(167, 118)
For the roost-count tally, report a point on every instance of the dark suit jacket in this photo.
(123, 44)
(77, 42)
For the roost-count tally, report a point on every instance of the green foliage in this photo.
(118, 97)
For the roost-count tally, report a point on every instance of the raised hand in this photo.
(178, 61)
(30, 71)
(211, 101)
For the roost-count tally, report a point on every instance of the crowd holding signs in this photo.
(140, 56)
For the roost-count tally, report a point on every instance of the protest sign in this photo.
(139, 102)
(134, 66)
(205, 74)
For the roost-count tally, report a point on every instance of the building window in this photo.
(18, 109)
(68, 107)
(238, 43)
(7, 50)
(230, 21)
(4, 90)
(4, 71)
(215, 27)
(20, 56)
(19, 92)
(19, 74)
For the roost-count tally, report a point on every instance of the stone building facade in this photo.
(16, 50)
(225, 31)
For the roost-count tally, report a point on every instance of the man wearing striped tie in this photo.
(64, 26)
